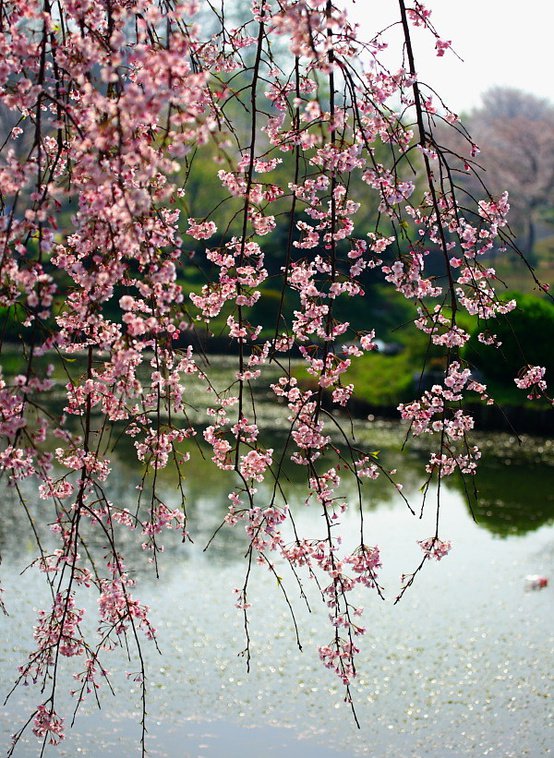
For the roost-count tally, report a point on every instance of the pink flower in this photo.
(47, 723)
(532, 378)
(435, 548)
(442, 46)
(201, 230)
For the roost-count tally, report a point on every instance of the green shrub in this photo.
(382, 379)
(527, 337)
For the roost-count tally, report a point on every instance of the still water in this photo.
(460, 667)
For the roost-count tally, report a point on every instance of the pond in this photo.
(460, 667)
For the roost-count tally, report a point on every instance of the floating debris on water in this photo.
(536, 582)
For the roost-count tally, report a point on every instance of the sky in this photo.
(502, 43)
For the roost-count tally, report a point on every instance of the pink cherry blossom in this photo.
(127, 117)
(435, 548)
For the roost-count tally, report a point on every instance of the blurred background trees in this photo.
(515, 131)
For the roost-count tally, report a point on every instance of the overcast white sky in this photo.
(503, 42)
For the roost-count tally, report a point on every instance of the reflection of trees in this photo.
(513, 499)
(15, 535)
(206, 490)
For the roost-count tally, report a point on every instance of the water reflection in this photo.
(457, 668)
(515, 484)
(515, 492)
(513, 498)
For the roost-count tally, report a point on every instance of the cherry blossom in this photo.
(532, 378)
(300, 128)
(435, 548)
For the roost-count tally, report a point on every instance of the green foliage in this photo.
(382, 380)
(12, 329)
(527, 338)
(270, 313)
(389, 313)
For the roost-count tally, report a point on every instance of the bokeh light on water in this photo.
(461, 667)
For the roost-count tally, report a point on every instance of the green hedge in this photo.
(527, 336)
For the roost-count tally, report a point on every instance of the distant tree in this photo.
(515, 132)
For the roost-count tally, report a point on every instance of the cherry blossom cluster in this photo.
(117, 609)
(435, 548)
(532, 379)
(437, 411)
(48, 725)
(110, 107)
